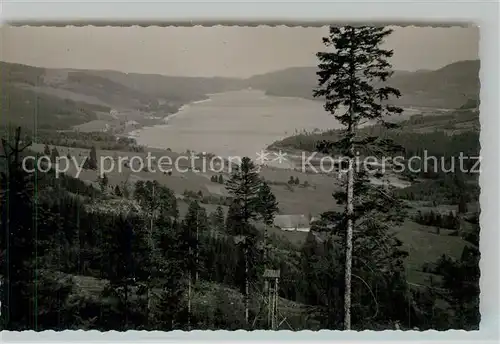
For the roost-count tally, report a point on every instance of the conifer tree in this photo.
(460, 278)
(54, 154)
(117, 248)
(93, 155)
(267, 209)
(243, 187)
(234, 220)
(462, 205)
(171, 264)
(46, 150)
(103, 182)
(156, 201)
(217, 220)
(194, 223)
(351, 78)
(267, 206)
(91, 161)
(18, 239)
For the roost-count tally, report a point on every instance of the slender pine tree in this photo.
(18, 239)
(267, 206)
(351, 77)
(243, 187)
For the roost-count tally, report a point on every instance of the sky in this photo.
(216, 51)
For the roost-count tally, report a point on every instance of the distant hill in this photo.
(447, 87)
(26, 100)
(63, 98)
(173, 88)
(290, 82)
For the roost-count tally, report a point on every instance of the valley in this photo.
(114, 115)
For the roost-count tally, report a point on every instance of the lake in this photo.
(238, 123)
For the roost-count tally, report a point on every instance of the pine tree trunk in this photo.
(126, 305)
(189, 301)
(270, 307)
(348, 251)
(197, 250)
(275, 306)
(350, 201)
(150, 277)
(246, 286)
(7, 283)
(151, 244)
(266, 233)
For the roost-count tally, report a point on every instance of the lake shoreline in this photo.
(240, 123)
(232, 123)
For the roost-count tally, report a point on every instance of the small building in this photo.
(298, 222)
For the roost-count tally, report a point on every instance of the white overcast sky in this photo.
(216, 51)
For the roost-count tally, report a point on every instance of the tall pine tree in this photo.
(351, 80)
(194, 223)
(156, 201)
(267, 206)
(46, 150)
(217, 221)
(243, 187)
(18, 240)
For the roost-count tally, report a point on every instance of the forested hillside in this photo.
(140, 264)
(447, 87)
(60, 99)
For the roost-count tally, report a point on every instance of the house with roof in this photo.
(296, 222)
